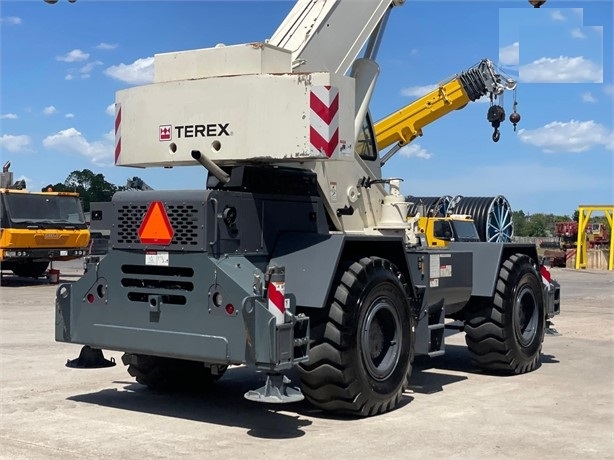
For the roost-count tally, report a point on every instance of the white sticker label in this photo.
(156, 258)
(434, 266)
(445, 271)
(63, 253)
(333, 192)
(434, 282)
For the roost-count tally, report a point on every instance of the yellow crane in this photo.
(404, 125)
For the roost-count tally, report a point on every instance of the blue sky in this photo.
(62, 64)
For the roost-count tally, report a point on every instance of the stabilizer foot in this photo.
(275, 390)
(550, 330)
(90, 358)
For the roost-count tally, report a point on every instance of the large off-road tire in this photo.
(362, 343)
(506, 335)
(167, 374)
(30, 269)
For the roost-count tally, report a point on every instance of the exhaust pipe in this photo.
(210, 166)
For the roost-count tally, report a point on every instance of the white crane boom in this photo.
(328, 35)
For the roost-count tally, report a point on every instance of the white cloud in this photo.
(72, 141)
(75, 55)
(573, 136)
(106, 46)
(588, 97)
(509, 55)
(69, 115)
(418, 91)
(11, 20)
(414, 151)
(577, 33)
(139, 72)
(49, 110)
(87, 68)
(14, 144)
(598, 29)
(110, 110)
(556, 15)
(561, 70)
(9, 116)
(608, 89)
(83, 72)
(578, 11)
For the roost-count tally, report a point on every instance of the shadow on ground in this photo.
(224, 403)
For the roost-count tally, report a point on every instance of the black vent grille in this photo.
(170, 285)
(184, 219)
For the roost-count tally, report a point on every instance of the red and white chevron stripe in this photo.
(324, 120)
(118, 131)
(546, 276)
(277, 304)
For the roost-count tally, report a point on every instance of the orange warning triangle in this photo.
(156, 228)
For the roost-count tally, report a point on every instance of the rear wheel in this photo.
(30, 269)
(506, 335)
(169, 374)
(360, 357)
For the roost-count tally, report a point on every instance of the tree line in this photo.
(94, 188)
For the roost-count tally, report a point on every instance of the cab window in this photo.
(365, 143)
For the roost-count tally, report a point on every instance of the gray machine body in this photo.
(203, 296)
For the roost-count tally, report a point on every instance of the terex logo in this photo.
(209, 130)
(166, 132)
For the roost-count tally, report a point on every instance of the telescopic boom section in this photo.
(403, 126)
(328, 35)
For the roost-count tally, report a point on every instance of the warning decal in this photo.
(156, 228)
(324, 120)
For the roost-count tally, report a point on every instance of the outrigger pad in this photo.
(90, 358)
(275, 390)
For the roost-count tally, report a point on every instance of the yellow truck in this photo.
(38, 227)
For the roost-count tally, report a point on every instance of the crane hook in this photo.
(496, 115)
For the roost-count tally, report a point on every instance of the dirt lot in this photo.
(565, 409)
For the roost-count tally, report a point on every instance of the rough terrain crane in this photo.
(298, 253)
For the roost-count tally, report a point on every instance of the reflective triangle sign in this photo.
(156, 228)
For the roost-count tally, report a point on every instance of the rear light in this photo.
(230, 309)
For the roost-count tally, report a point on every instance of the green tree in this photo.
(519, 220)
(538, 225)
(576, 216)
(91, 187)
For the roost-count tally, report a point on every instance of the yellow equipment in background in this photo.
(38, 227)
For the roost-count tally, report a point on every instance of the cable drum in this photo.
(434, 206)
(492, 217)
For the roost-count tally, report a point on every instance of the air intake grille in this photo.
(184, 219)
(169, 284)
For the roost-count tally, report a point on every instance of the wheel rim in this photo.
(381, 339)
(500, 224)
(526, 316)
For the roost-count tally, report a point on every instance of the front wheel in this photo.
(506, 335)
(30, 269)
(360, 357)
